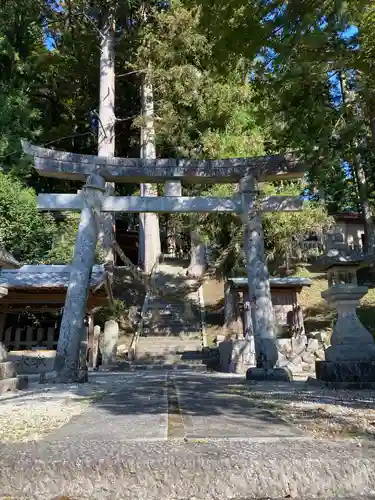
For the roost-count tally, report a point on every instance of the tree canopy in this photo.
(230, 79)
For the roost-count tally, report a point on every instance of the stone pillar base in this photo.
(346, 374)
(236, 355)
(13, 384)
(273, 375)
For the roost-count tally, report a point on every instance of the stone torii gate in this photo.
(92, 200)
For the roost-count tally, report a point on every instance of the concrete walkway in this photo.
(137, 412)
(179, 437)
(206, 408)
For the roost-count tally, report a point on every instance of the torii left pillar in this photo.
(72, 324)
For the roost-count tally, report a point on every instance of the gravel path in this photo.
(321, 412)
(33, 413)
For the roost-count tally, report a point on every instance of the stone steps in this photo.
(172, 333)
(165, 352)
(157, 331)
(168, 366)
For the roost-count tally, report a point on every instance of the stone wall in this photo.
(300, 353)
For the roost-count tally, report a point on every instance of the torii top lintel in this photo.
(59, 164)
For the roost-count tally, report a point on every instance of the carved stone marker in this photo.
(95, 347)
(110, 339)
(350, 359)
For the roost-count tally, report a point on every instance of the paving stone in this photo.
(138, 412)
(219, 414)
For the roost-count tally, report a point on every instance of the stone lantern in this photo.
(350, 359)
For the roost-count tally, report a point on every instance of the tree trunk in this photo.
(372, 127)
(106, 130)
(149, 241)
(365, 205)
(198, 261)
(359, 173)
(172, 188)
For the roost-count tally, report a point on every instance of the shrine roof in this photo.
(276, 282)
(7, 261)
(59, 164)
(46, 276)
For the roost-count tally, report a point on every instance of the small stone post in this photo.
(95, 347)
(83, 369)
(232, 320)
(262, 313)
(72, 324)
(110, 340)
(248, 322)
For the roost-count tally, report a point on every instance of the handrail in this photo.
(146, 302)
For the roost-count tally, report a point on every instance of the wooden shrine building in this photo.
(31, 310)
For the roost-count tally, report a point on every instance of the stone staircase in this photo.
(171, 336)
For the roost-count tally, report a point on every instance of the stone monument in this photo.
(350, 359)
(110, 340)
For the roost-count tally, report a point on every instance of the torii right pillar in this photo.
(262, 315)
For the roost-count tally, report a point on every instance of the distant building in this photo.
(348, 232)
(347, 235)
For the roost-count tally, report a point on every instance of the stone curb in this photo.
(174, 471)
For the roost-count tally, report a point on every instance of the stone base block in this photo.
(7, 370)
(346, 374)
(13, 384)
(236, 355)
(344, 353)
(275, 374)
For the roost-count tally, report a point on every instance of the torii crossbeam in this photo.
(93, 200)
(73, 166)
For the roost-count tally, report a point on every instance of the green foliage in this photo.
(230, 79)
(117, 311)
(200, 113)
(21, 49)
(284, 232)
(63, 245)
(24, 232)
